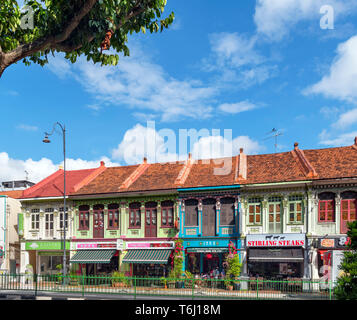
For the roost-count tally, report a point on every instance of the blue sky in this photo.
(248, 66)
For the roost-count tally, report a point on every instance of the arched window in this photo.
(227, 211)
(254, 211)
(348, 209)
(327, 207)
(134, 215)
(191, 212)
(167, 214)
(113, 216)
(83, 217)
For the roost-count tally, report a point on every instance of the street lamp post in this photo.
(46, 140)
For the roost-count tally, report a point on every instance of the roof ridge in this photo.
(185, 171)
(135, 175)
(43, 182)
(308, 170)
(90, 177)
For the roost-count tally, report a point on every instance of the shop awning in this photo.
(276, 255)
(157, 256)
(92, 256)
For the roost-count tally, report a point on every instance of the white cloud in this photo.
(217, 146)
(164, 145)
(236, 59)
(234, 49)
(345, 139)
(341, 81)
(14, 169)
(27, 127)
(275, 18)
(346, 119)
(141, 85)
(329, 112)
(140, 142)
(237, 107)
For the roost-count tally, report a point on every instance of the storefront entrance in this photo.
(205, 263)
(276, 270)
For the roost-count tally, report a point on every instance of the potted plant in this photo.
(164, 282)
(115, 278)
(189, 275)
(59, 275)
(171, 279)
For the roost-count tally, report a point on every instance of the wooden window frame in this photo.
(255, 204)
(198, 215)
(167, 225)
(35, 221)
(326, 220)
(348, 209)
(82, 217)
(134, 226)
(295, 221)
(234, 214)
(113, 212)
(63, 217)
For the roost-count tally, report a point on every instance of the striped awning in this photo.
(92, 256)
(157, 256)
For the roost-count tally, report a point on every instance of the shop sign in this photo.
(207, 243)
(276, 240)
(97, 245)
(208, 250)
(150, 245)
(333, 242)
(46, 245)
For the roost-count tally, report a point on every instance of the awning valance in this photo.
(156, 256)
(276, 255)
(92, 256)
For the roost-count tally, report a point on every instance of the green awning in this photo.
(157, 256)
(92, 256)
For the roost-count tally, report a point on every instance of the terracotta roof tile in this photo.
(109, 181)
(265, 168)
(15, 194)
(334, 162)
(52, 186)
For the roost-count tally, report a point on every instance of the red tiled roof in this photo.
(16, 194)
(334, 162)
(109, 181)
(52, 186)
(202, 173)
(296, 165)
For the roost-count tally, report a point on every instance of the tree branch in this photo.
(28, 49)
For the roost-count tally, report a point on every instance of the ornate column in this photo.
(338, 212)
(264, 215)
(284, 216)
(200, 217)
(218, 215)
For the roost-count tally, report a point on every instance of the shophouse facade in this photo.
(127, 216)
(291, 206)
(42, 220)
(10, 206)
(209, 213)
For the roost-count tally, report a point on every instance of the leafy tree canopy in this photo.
(346, 288)
(74, 27)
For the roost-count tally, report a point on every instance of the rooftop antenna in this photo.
(27, 175)
(274, 133)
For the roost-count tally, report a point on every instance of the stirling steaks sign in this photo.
(276, 240)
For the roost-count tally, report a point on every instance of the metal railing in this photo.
(189, 288)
